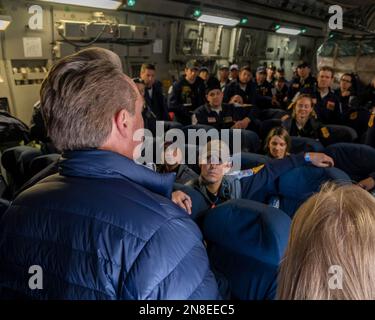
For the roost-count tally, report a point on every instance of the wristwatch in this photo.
(307, 157)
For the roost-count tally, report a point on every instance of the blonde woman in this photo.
(331, 249)
(303, 122)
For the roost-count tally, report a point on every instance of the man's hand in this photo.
(243, 124)
(182, 200)
(321, 160)
(367, 184)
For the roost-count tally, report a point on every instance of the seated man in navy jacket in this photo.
(187, 94)
(244, 87)
(327, 105)
(263, 87)
(103, 227)
(154, 96)
(217, 186)
(221, 115)
(303, 82)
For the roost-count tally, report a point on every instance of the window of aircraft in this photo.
(368, 47)
(347, 48)
(327, 49)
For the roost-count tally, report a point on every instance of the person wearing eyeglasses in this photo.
(221, 115)
(218, 185)
(347, 92)
(353, 114)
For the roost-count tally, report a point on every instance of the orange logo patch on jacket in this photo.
(325, 132)
(354, 115)
(330, 105)
(371, 121)
(257, 169)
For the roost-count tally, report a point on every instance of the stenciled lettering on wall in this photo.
(36, 20)
(336, 20)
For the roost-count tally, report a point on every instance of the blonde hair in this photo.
(335, 227)
(294, 104)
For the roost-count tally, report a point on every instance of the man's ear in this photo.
(122, 119)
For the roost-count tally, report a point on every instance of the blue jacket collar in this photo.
(95, 163)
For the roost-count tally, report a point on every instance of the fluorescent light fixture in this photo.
(5, 22)
(218, 20)
(290, 31)
(102, 4)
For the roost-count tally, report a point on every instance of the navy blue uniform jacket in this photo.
(103, 228)
(185, 98)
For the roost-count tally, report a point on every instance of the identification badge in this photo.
(330, 105)
(325, 132)
(354, 115)
(211, 119)
(228, 119)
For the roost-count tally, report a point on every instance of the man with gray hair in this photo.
(103, 227)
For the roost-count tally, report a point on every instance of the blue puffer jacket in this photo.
(103, 229)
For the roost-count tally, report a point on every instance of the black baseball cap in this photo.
(212, 84)
(193, 64)
(304, 64)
